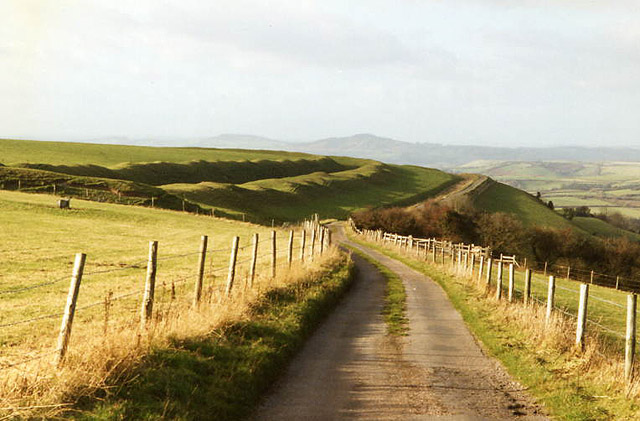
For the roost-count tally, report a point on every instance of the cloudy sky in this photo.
(460, 72)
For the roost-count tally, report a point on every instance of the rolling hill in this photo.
(257, 185)
(430, 154)
(265, 186)
(601, 186)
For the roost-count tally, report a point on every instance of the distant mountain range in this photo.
(424, 154)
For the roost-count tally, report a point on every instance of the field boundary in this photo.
(184, 298)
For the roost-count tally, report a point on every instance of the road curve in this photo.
(352, 369)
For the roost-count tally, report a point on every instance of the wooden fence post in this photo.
(630, 346)
(481, 268)
(499, 280)
(582, 315)
(527, 286)
(433, 252)
(512, 282)
(274, 251)
(442, 252)
(303, 239)
(312, 245)
(201, 263)
(254, 260)
(70, 308)
(453, 256)
(290, 249)
(149, 285)
(489, 270)
(328, 238)
(550, 297)
(232, 266)
(321, 242)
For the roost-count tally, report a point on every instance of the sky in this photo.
(485, 72)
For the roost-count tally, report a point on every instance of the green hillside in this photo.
(602, 186)
(256, 185)
(69, 153)
(601, 228)
(242, 171)
(331, 195)
(499, 197)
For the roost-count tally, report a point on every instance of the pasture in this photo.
(247, 185)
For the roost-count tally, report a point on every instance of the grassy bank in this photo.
(572, 385)
(222, 374)
(395, 301)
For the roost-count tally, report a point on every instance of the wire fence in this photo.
(101, 290)
(606, 304)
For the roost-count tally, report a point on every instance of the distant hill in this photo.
(425, 154)
(241, 141)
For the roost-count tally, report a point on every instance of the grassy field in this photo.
(38, 246)
(602, 186)
(503, 198)
(36, 256)
(571, 385)
(258, 186)
(69, 153)
(601, 228)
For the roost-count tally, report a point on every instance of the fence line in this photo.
(279, 254)
(435, 251)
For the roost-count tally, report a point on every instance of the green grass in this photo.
(259, 185)
(503, 198)
(395, 301)
(69, 153)
(222, 376)
(333, 195)
(236, 172)
(574, 200)
(601, 228)
(39, 242)
(613, 184)
(548, 376)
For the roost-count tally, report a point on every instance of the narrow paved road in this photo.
(352, 369)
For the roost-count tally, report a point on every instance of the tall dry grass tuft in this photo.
(100, 360)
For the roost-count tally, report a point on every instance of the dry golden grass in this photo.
(103, 353)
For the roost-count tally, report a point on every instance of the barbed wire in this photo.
(33, 319)
(177, 256)
(4, 366)
(29, 288)
(605, 328)
(595, 297)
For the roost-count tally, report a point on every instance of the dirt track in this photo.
(351, 369)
